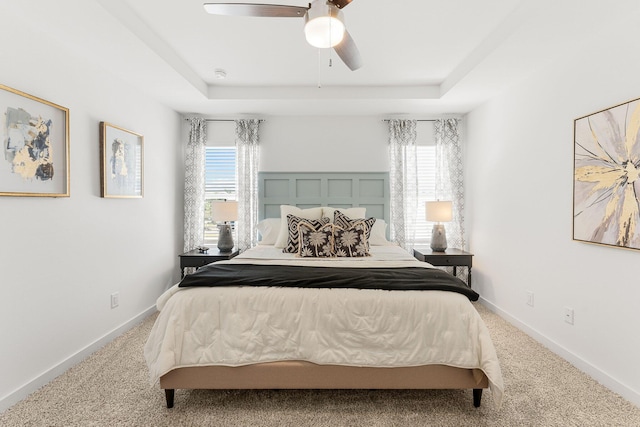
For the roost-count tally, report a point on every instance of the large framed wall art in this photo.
(606, 179)
(35, 146)
(122, 166)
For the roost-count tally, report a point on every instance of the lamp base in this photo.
(438, 238)
(225, 239)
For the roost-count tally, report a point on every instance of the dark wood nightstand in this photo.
(450, 258)
(197, 259)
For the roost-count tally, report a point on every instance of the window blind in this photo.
(220, 173)
(426, 161)
(220, 184)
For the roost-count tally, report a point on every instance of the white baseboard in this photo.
(594, 372)
(33, 385)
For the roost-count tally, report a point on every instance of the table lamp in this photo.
(224, 212)
(439, 212)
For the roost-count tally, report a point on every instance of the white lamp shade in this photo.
(323, 27)
(439, 211)
(224, 211)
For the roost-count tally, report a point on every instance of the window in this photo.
(426, 161)
(220, 184)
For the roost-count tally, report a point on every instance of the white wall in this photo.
(326, 144)
(61, 258)
(519, 188)
(319, 144)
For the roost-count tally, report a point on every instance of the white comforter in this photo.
(236, 326)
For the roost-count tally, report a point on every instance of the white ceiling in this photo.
(421, 57)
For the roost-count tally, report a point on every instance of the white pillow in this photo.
(378, 235)
(269, 229)
(352, 213)
(283, 234)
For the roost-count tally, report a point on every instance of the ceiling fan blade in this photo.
(348, 52)
(340, 3)
(256, 9)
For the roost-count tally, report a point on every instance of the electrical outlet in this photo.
(568, 315)
(530, 298)
(115, 299)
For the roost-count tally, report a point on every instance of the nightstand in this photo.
(197, 259)
(450, 258)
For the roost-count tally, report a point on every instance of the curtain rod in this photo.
(222, 120)
(418, 120)
(262, 120)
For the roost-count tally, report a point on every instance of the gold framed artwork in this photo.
(122, 165)
(606, 178)
(35, 146)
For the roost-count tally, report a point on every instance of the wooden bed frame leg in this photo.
(477, 397)
(169, 393)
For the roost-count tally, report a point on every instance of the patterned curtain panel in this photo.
(449, 177)
(194, 184)
(403, 180)
(248, 159)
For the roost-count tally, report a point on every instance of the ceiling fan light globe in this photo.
(324, 31)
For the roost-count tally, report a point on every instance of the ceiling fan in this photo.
(324, 25)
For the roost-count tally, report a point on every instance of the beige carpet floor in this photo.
(111, 388)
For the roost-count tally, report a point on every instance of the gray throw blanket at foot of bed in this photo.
(393, 279)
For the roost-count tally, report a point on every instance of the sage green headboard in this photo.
(312, 189)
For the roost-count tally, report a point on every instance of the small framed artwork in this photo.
(606, 178)
(35, 146)
(122, 167)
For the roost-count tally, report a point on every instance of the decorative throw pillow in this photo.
(293, 239)
(315, 242)
(352, 241)
(341, 220)
(311, 213)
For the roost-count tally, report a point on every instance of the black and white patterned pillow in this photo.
(315, 242)
(341, 220)
(294, 238)
(352, 241)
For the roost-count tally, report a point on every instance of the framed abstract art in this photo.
(606, 178)
(35, 146)
(122, 166)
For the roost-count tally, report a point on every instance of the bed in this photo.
(257, 322)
